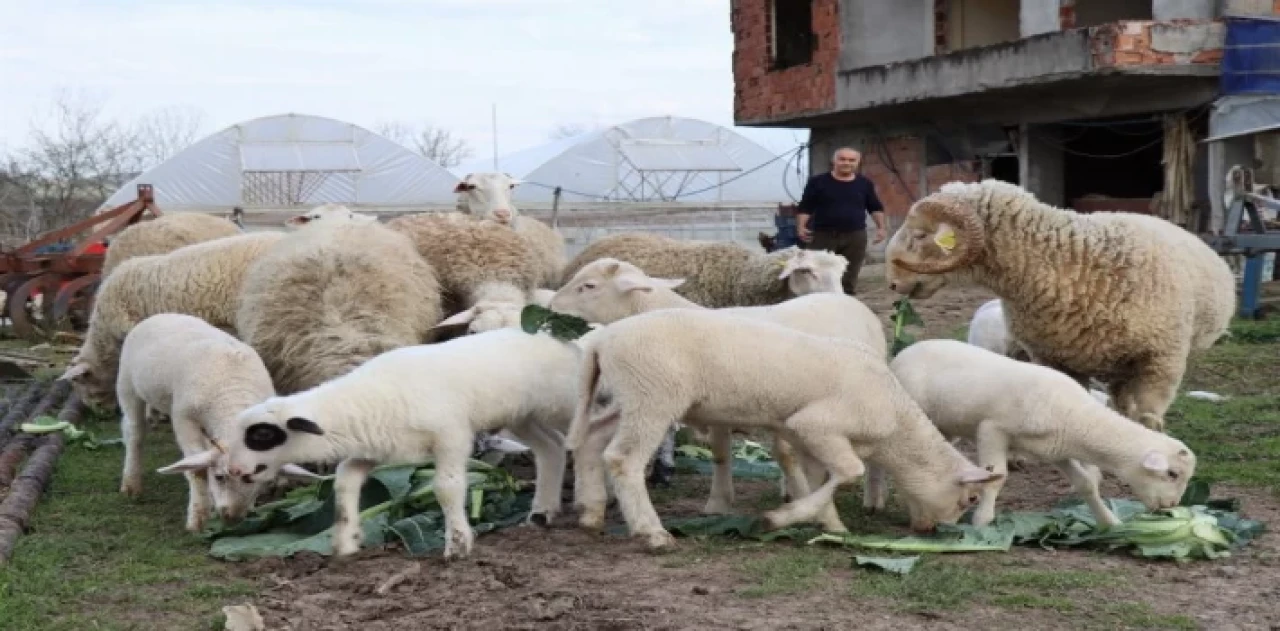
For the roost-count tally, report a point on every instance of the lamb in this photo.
(987, 330)
(498, 307)
(1120, 297)
(164, 234)
(1044, 414)
(324, 213)
(607, 290)
(721, 274)
(476, 261)
(201, 280)
(200, 377)
(438, 395)
(659, 365)
(488, 196)
(332, 295)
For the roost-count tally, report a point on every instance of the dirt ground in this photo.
(561, 578)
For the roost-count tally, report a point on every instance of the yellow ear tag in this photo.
(946, 240)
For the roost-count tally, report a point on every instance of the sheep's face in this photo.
(233, 496)
(488, 196)
(326, 213)
(810, 272)
(89, 384)
(1161, 477)
(941, 234)
(945, 500)
(267, 436)
(607, 290)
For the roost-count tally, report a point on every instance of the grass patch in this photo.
(1140, 615)
(939, 584)
(95, 559)
(787, 572)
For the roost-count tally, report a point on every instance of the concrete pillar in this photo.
(1040, 166)
(1162, 10)
(1038, 16)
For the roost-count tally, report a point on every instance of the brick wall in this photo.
(1148, 43)
(760, 94)
(1066, 14)
(896, 192)
(941, 11)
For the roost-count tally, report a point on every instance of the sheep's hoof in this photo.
(540, 519)
(660, 541)
(195, 526)
(715, 507)
(591, 520)
(131, 489)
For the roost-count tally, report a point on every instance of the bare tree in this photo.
(567, 130)
(70, 166)
(163, 132)
(436, 143)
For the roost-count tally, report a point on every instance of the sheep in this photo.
(439, 396)
(200, 377)
(1044, 414)
(721, 274)
(658, 366)
(488, 196)
(987, 330)
(164, 234)
(607, 290)
(1120, 297)
(475, 260)
(496, 307)
(332, 295)
(203, 280)
(324, 213)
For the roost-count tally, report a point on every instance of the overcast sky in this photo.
(544, 62)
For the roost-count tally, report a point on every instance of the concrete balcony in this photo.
(1105, 70)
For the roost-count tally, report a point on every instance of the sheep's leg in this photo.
(812, 428)
(815, 474)
(721, 500)
(549, 463)
(785, 455)
(625, 458)
(1085, 480)
(1153, 390)
(451, 491)
(590, 484)
(993, 454)
(664, 460)
(347, 482)
(133, 428)
(193, 441)
(875, 488)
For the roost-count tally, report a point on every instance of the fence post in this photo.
(555, 208)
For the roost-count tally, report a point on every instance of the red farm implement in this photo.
(49, 283)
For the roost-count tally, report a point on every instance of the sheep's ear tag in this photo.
(946, 240)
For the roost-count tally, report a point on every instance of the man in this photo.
(832, 213)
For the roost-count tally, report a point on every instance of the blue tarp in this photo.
(1251, 57)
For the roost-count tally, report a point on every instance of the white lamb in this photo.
(607, 290)
(418, 402)
(658, 366)
(1004, 405)
(201, 377)
(326, 213)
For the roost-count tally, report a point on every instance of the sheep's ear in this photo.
(793, 265)
(1155, 461)
(264, 437)
(514, 182)
(194, 462)
(294, 471)
(611, 268)
(976, 475)
(634, 282)
(459, 318)
(297, 220)
(299, 424)
(75, 370)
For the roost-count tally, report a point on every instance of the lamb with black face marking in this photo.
(413, 403)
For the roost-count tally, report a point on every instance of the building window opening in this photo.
(1112, 164)
(793, 36)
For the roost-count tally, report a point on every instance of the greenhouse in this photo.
(660, 159)
(292, 160)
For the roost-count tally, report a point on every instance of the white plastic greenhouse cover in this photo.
(685, 159)
(327, 161)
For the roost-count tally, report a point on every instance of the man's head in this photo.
(845, 161)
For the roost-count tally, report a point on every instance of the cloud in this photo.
(543, 62)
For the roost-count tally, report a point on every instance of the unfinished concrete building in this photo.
(1090, 104)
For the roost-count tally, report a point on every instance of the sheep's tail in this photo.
(589, 379)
